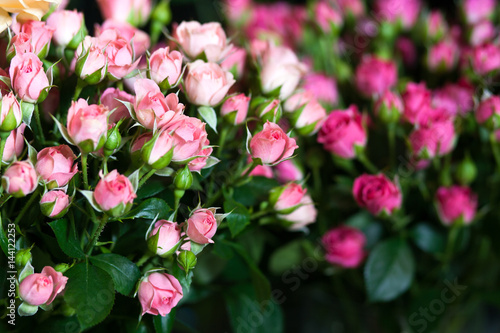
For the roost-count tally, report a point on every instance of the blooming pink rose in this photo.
(374, 76)
(435, 139)
(477, 10)
(289, 197)
(20, 179)
(405, 11)
(344, 246)
(272, 145)
(114, 193)
(87, 125)
(342, 131)
(189, 137)
(377, 194)
(200, 162)
(67, 25)
(54, 203)
(91, 62)
(28, 78)
(485, 58)
(10, 113)
(482, 32)
(327, 16)
(14, 145)
(304, 215)
(122, 30)
(487, 108)
(234, 62)
(165, 65)
(42, 288)
(119, 52)
(416, 98)
(55, 165)
(235, 107)
(169, 234)
(323, 87)
(135, 12)
(207, 83)
(455, 98)
(159, 293)
(111, 98)
(442, 56)
(288, 171)
(456, 202)
(201, 226)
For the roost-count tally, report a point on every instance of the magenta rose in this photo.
(114, 193)
(28, 78)
(54, 204)
(482, 32)
(196, 38)
(456, 98)
(328, 16)
(202, 225)
(404, 11)
(344, 246)
(477, 10)
(41, 288)
(377, 194)
(374, 76)
(159, 293)
(168, 235)
(272, 145)
(416, 98)
(435, 139)
(207, 83)
(20, 179)
(442, 56)
(304, 215)
(189, 137)
(111, 98)
(323, 87)
(456, 203)
(235, 109)
(55, 165)
(487, 109)
(485, 58)
(87, 125)
(14, 145)
(389, 106)
(165, 67)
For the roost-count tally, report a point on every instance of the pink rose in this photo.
(416, 98)
(91, 61)
(272, 145)
(200, 162)
(55, 165)
(455, 203)
(404, 11)
(42, 288)
(482, 32)
(20, 43)
(159, 293)
(10, 113)
(207, 83)
(135, 12)
(352, 7)
(234, 62)
(235, 109)
(202, 225)
(114, 193)
(87, 125)
(156, 152)
(435, 139)
(323, 87)
(374, 76)
(54, 203)
(442, 56)
(377, 194)
(165, 66)
(20, 179)
(304, 215)
(389, 106)
(327, 16)
(196, 38)
(111, 98)
(169, 235)
(119, 52)
(14, 145)
(69, 27)
(269, 110)
(235, 9)
(28, 78)
(344, 246)
(456, 98)
(122, 30)
(39, 34)
(308, 115)
(477, 10)
(488, 108)
(435, 25)
(286, 199)
(485, 58)
(189, 137)
(342, 131)
(288, 171)
(260, 170)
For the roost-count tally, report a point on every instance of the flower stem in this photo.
(250, 169)
(96, 233)
(4, 199)
(85, 171)
(366, 163)
(2, 148)
(39, 124)
(222, 141)
(391, 137)
(78, 89)
(259, 214)
(146, 177)
(26, 207)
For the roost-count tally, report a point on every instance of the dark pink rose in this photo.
(374, 76)
(344, 246)
(377, 194)
(454, 203)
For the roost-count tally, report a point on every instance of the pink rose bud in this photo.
(119, 52)
(202, 225)
(304, 215)
(434, 26)
(157, 151)
(389, 107)
(269, 110)
(374, 76)
(135, 12)
(207, 83)
(69, 27)
(164, 238)
(435, 139)
(139, 39)
(159, 293)
(352, 7)
(201, 162)
(55, 165)
(111, 98)
(456, 203)
(151, 106)
(54, 204)
(87, 125)
(307, 114)
(20, 43)
(272, 145)
(481, 33)
(91, 61)
(235, 10)
(14, 145)
(377, 194)
(404, 11)
(485, 58)
(416, 98)
(323, 87)
(489, 109)
(235, 109)
(196, 38)
(342, 131)
(20, 179)
(443, 56)
(288, 171)
(40, 35)
(42, 288)
(328, 16)
(477, 10)
(235, 61)
(165, 67)
(28, 78)
(189, 137)
(287, 198)
(114, 193)
(11, 116)
(344, 246)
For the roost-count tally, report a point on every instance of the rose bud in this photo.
(344, 246)
(477, 10)
(10, 114)
(288, 171)
(165, 67)
(87, 125)
(20, 179)
(54, 204)
(269, 110)
(139, 40)
(436, 139)
(466, 170)
(434, 26)
(20, 43)
(136, 12)
(286, 199)
(342, 131)
(374, 76)
(322, 87)
(158, 151)
(23, 257)
(41, 288)
(202, 225)
(235, 61)
(151, 106)
(328, 16)
(111, 98)
(159, 293)
(272, 145)
(488, 112)
(119, 52)
(14, 145)
(389, 107)
(199, 163)
(307, 114)
(456, 98)
(183, 179)
(114, 194)
(481, 33)
(69, 28)
(406, 12)
(416, 98)
(207, 83)
(28, 78)
(304, 215)
(456, 204)
(377, 194)
(235, 109)
(196, 38)
(485, 58)
(187, 260)
(165, 238)
(443, 56)
(40, 35)
(55, 165)
(91, 62)
(189, 137)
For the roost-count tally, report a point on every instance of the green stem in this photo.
(450, 244)
(105, 165)
(146, 177)
(250, 169)
(222, 141)
(178, 194)
(26, 207)
(391, 137)
(79, 87)
(259, 214)
(85, 171)
(95, 234)
(39, 123)
(366, 163)
(143, 259)
(4, 199)
(2, 148)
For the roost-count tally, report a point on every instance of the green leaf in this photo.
(389, 270)
(252, 192)
(164, 324)
(149, 209)
(184, 279)
(285, 257)
(90, 292)
(27, 110)
(428, 238)
(3, 238)
(124, 272)
(208, 114)
(66, 238)
(239, 217)
(150, 189)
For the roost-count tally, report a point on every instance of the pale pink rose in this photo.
(87, 125)
(327, 16)
(435, 139)
(196, 38)
(28, 77)
(404, 11)
(288, 171)
(485, 58)
(207, 83)
(323, 87)
(151, 106)
(235, 107)
(42, 288)
(111, 98)
(169, 234)
(165, 65)
(482, 32)
(374, 76)
(454, 203)
(59, 200)
(304, 215)
(488, 108)
(189, 137)
(55, 165)
(234, 62)
(289, 198)
(297, 100)
(200, 162)
(272, 145)
(91, 62)
(67, 24)
(19, 179)
(14, 145)
(342, 131)
(416, 98)
(119, 52)
(477, 10)
(114, 193)
(201, 226)
(442, 56)
(135, 12)
(20, 43)
(139, 39)
(40, 35)
(377, 194)
(10, 113)
(154, 153)
(159, 293)
(344, 246)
